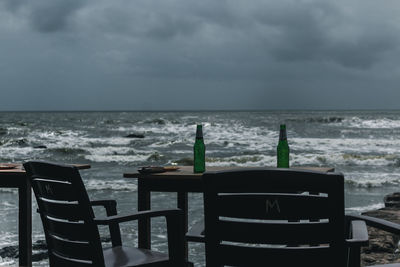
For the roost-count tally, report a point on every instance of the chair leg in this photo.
(354, 257)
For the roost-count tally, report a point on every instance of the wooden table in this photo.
(16, 178)
(181, 181)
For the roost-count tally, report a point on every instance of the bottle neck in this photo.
(282, 135)
(199, 132)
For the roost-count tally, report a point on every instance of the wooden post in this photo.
(183, 205)
(25, 223)
(144, 225)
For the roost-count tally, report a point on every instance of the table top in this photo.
(186, 172)
(18, 168)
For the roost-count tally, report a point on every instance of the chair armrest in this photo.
(372, 222)
(359, 237)
(378, 223)
(136, 216)
(109, 204)
(359, 234)
(196, 232)
(111, 210)
(103, 202)
(175, 229)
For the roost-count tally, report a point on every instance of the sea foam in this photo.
(361, 209)
(111, 184)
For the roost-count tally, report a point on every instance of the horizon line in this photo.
(198, 110)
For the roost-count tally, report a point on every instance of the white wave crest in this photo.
(338, 159)
(9, 204)
(8, 239)
(370, 180)
(381, 123)
(6, 261)
(116, 158)
(304, 159)
(250, 161)
(112, 184)
(254, 138)
(365, 208)
(119, 154)
(73, 139)
(9, 190)
(346, 145)
(18, 153)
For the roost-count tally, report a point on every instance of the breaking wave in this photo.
(333, 119)
(112, 184)
(376, 123)
(372, 180)
(339, 159)
(361, 209)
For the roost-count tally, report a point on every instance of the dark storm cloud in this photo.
(44, 15)
(322, 31)
(222, 32)
(54, 16)
(13, 5)
(249, 54)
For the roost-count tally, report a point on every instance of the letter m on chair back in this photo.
(274, 217)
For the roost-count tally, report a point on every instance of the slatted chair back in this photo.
(274, 217)
(72, 237)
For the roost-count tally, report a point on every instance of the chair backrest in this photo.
(72, 238)
(274, 217)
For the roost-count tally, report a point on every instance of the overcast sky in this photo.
(191, 54)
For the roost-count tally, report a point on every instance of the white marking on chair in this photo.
(271, 205)
(49, 191)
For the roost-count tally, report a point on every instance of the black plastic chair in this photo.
(71, 230)
(278, 217)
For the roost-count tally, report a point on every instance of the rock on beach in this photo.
(383, 246)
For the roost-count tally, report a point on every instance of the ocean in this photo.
(363, 145)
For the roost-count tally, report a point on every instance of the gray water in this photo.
(363, 145)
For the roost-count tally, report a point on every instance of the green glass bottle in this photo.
(199, 150)
(283, 149)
